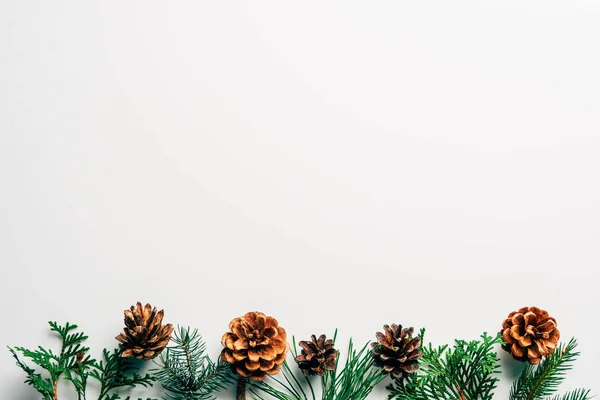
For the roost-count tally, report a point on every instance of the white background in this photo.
(331, 163)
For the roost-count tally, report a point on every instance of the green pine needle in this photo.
(187, 373)
(542, 380)
(355, 380)
(577, 394)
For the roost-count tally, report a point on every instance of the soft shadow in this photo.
(21, 391)
(510, 366)
(137, 365)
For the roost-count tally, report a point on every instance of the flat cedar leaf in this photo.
(74, 365)
(467, 370)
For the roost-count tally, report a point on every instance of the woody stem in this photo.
(241, 389)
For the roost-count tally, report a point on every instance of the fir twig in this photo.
(186, 372)
(542, 380)
(577, 394)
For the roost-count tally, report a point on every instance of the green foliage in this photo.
(542, 380)
(56, 365)
(465, 371)
(187, 373)
(577, 394)
(354, 381)
(117, 372)
(43, 385)
(73, 365)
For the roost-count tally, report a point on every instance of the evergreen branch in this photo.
(78, 375)
(354, 381)
(357, 379)
(467, 371)
(542, 380)
(55, 364)
(290, 383)
(186, 372)
(116, 372)
(577, 394)
(44, 386)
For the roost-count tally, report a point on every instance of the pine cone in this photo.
(530, 334)
(144, 336)
(317, 356)
(397, 351)
(256, 346)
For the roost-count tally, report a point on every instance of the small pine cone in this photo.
(530, 334)
(396, 351)
(144, 336)
(317, 356)
(255, 346)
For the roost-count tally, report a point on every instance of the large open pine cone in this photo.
(397, 351)
(255, 346)
(530, 334)
(317, 355)
(144, 336)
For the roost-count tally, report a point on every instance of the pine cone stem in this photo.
(241, 389)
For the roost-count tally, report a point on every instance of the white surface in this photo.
(334, 164)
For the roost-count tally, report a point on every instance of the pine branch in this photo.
(187, 373)
(542, 380)
(354, 381)
(467, 371)
(357, 378)
(577, 394)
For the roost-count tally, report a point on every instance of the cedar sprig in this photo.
(115, 372)
(542, 380)
(75, 366)
(465, 371)
(354, 380)
(56, 365)
(187, 373)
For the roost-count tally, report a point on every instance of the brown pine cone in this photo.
(530, 334)
(144, 336)
(256, 346)
(396, 351)
(317, 356)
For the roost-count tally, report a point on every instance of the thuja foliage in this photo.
(354, 380)
(186, 372)
(73, 364)
(541, 381)
(466, 371)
